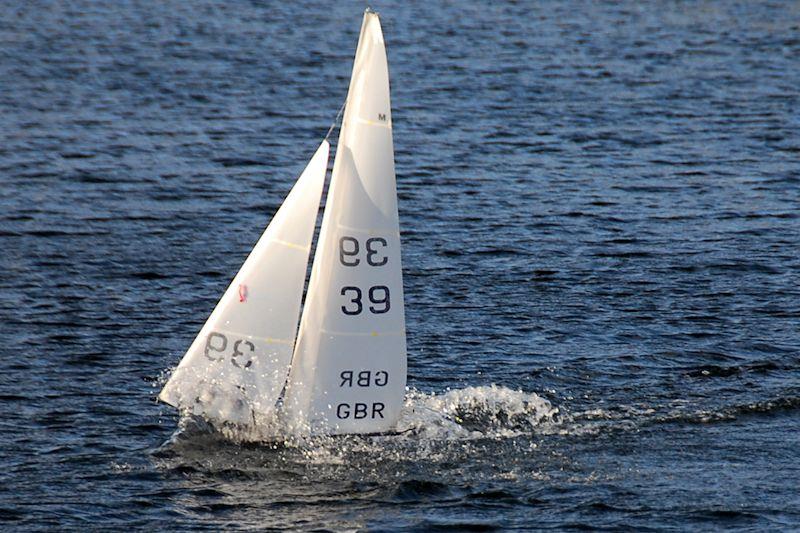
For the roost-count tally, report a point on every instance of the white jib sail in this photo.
(236, 368)
(348, 373)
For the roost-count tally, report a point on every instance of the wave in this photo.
(628, 417)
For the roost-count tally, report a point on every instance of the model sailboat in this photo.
(345, 369)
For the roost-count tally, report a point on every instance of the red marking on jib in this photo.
(242, 293)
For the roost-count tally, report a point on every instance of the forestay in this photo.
(348, 374)
(237, 366)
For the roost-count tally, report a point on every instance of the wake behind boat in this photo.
(344, 370)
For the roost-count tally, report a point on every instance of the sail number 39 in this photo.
(349, 251)
(350, 256)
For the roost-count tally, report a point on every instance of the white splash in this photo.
(476, 412)
(458, 414)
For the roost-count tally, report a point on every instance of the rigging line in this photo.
(336, 120)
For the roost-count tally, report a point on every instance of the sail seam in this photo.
(278, 341)
(363, 334)
(371, 231)
(292, 245)
(269, 340)
(373, 123)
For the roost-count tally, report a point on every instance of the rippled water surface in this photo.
(599, 211)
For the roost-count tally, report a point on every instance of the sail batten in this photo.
(296, 246)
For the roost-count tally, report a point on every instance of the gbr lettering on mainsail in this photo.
(347, 371)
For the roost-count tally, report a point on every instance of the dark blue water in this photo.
(600, 215)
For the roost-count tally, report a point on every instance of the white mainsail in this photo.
(348, 372)
(236, 368)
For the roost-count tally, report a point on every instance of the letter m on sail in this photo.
(382, 117)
